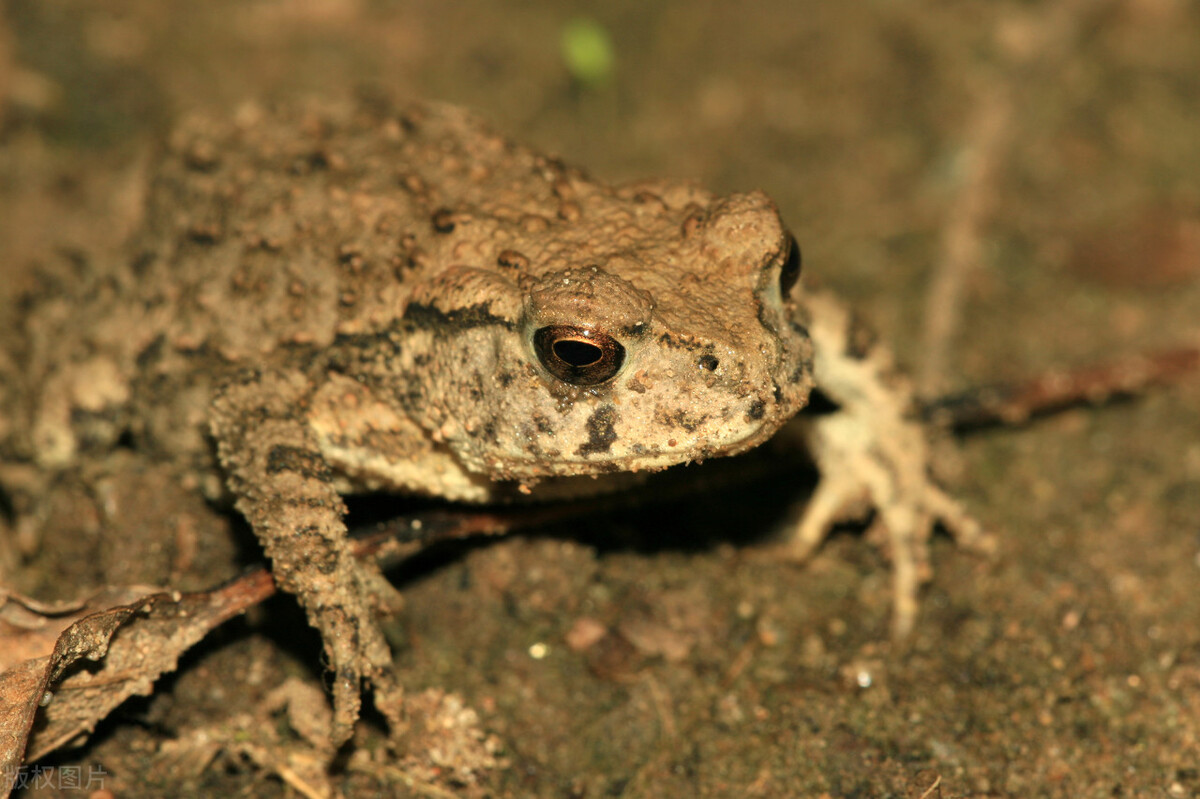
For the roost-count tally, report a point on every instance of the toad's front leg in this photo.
(872, 453)
(284, 488)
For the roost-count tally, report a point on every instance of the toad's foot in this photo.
(889, 475)
(356, 651)
(286, 491)
(872, 454)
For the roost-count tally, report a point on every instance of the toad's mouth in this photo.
(577, 479)
(607, 449)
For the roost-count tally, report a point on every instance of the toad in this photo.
(349, 299)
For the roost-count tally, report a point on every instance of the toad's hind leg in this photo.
(872, 454)
(284, 488)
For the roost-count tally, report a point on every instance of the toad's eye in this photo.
(578, 355)
(789, 273)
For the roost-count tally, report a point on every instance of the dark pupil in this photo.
(789, 273)
(578, 353)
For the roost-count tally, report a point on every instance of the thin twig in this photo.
(1050, 39)
(962, 234)
(1018, 402)
(937, 784)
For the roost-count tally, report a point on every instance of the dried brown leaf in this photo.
(78, 662)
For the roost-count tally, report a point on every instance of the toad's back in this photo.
(264, 238)
(270, 238)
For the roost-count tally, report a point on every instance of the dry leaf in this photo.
(78, 662)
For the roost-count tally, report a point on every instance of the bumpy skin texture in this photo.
(349, 299)
(408, 259)
(359, 299)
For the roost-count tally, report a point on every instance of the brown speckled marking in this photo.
(601, 432)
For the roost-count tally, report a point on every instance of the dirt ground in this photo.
(998, 187)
